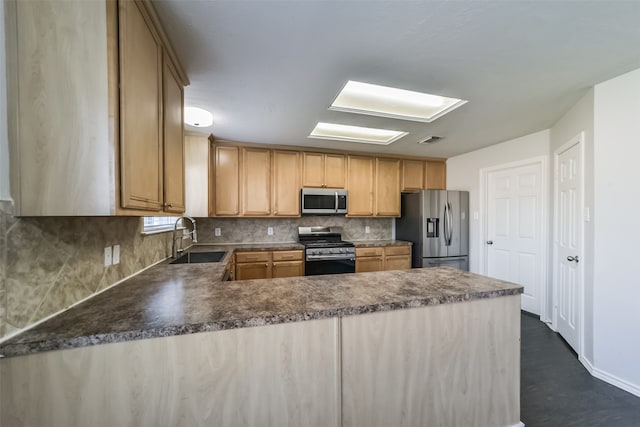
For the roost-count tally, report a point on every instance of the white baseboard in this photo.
(520, 424)
(615, 381)
(586, 363)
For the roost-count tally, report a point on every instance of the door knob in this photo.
(489, 242)
(573, 258)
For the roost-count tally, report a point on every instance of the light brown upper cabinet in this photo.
(412, 175)
(387, 194)
(224, 197)
(360, 185)
(255, 183)
(285, 177)
(140, 111)
(435, 175)
(174, 171)
(107, 108)
(323, 170)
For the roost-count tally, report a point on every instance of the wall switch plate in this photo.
(217, 232)
(587, 214)
(476, 215)
(107, 256)
(367, 229)
(270, 231)
(116, 254)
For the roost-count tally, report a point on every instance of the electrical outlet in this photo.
(270, 231)
(116, 254)
(107, 256)
(367, 229)
(217, 232)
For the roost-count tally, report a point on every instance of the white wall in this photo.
(580, 119)
(463, 173)
(617, 230)
(5, 193)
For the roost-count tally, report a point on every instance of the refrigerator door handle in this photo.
(447, 225)
(450, 223)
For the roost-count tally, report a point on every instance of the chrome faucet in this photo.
(193, 234)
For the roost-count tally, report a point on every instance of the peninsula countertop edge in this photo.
(167, 300)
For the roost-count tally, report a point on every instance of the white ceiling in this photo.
(268, 70)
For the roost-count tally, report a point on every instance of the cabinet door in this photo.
(225, 200)
(256, 178)
(397, 262)
(360, 186)
(435, 175)
(334, 170)
(286, 183)
(140, 111)
(255, 270)
(287, 269)
(173, 141)
(412, 175)
(387, 195)
(313, 170)
(368, 264)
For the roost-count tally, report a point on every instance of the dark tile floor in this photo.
(556, 390)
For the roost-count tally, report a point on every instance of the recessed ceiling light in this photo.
(375, 100)
(197, 117)
(355, 133)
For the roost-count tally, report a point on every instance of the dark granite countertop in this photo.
(177, 299)
(377, 243)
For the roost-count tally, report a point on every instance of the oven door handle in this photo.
(330, 258)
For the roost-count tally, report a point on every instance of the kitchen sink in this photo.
(199, 257)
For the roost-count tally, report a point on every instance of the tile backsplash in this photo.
(49, 263)
(254, 230)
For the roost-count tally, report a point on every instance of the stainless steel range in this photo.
(326, 252)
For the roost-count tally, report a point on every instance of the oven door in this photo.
(330, 266)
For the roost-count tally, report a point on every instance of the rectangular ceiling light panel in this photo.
(355, 134)
(374, 100)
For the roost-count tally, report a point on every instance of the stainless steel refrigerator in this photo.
(437, 222)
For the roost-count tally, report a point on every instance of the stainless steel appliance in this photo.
(437, 222)
(325, 251)
(323, 201)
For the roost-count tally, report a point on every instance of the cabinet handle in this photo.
(266, 264)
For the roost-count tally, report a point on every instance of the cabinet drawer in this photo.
(397, 250)
(253, 256)
(377, 251)
(287, 256)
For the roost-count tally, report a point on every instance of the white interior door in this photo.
(568, 242)
(514, 224)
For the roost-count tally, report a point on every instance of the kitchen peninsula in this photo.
(412, 347)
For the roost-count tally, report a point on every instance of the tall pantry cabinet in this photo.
(95, 101)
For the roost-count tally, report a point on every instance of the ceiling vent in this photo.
(431, 140)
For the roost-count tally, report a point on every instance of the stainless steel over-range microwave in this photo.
(323, 201)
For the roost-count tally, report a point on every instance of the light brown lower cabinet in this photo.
(369, 259)
(383, 258)
(267, 264)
